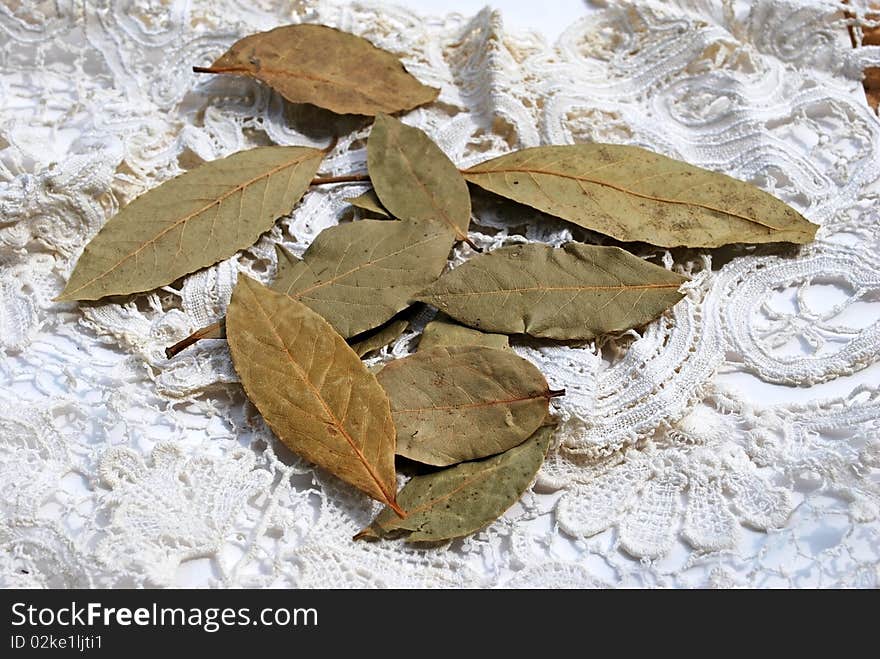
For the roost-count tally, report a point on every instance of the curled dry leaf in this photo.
(335, 70)
(312, 390)
(452, 503)
(633, 194)
(460, 403)
(369, 201)
(444, 332)
(358, 275)
(192, 221)
(575, 291)
(376, 339)
(284, 260)
(414, 179)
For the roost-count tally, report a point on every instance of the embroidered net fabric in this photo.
(732, 442)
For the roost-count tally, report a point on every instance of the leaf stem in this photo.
(210, 69)
(554, 393)
(347, 178)
(213, 331)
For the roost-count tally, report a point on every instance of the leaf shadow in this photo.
(499, 214)
(244, 97)
(320, 124)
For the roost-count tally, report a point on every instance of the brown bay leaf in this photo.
(455, 502)
(414, 179)
(312, 390)
(443, 332)
(358, 275)
(369, 201)
(335, 70)
(633, 194)
(192, 221)
(452, 404)
(576, 291)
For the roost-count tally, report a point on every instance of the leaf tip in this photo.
(66, 295)
(247, 281)
(431, 93)
(811, 230)
(366, 534)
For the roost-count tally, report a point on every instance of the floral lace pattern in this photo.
(119, 467)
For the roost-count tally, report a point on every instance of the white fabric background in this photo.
(733, 442)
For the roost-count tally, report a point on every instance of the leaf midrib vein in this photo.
(317, 394)
(529, 289)
(446, 218)
(458, 488)
(627, 191)
(463, 406)
(367, 264)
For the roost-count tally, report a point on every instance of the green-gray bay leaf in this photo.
(444, 332)
(414, 179)
(576, 291)
(192, 221)
(335, 70)
(633, 194)
(369, 202)
(359, 274)
(311, 388)
(452, 404)
(455, 502)
(384, 335)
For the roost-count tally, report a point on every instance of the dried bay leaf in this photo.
(455, 502)
(451, 404)
(312, 390)
(633, 194)
(444, 332)
(192, 221)
(369, 201)
(335, 70)
(382, 337)
(358, 275)
(414, 179)
(376, 339)
(284, 259)
(576, 291)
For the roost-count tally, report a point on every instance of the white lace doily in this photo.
(121, 468)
